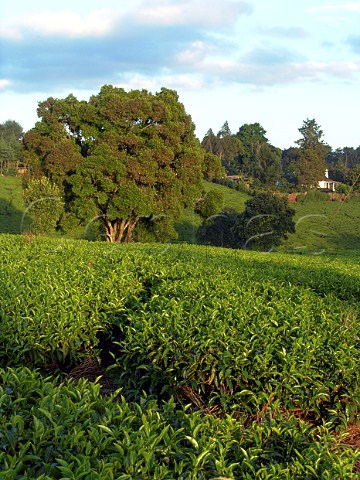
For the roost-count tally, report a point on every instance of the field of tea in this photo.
(222, 364)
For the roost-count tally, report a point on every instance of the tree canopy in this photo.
(247, 153)
(44, 203)
(265, 222)
(224, 145)
(11, 133)
(120, 157)
(209, 204)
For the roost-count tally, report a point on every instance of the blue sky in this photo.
(241, 61)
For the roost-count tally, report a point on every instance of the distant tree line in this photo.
(249, 154)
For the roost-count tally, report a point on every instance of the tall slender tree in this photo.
(310, 164)
(228, 147)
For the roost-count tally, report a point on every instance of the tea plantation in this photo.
(223, 364)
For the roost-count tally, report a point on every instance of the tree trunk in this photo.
(130, 228)
(119, 230)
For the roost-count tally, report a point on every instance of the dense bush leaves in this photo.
(266, 338)
(69, 431)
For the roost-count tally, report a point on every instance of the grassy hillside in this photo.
(330, 227)
(322, 227)
(326, 227)
(187, 227)
(12, 206)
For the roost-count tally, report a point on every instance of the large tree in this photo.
(121, 156)
(265, 222)
(11, 129)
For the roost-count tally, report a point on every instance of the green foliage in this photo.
(301, 197)
(254, 338)
(343, 188)
(258, 159)
(218, 230)
(10, 130)
(44, 202)
(12, 206)
(224, 145)
(248, 152)
(209, 204)
(316, 196)
(121, 156)
(52, 430)
(238, 185)
(325, 227)
(355, 178)
(212, 167)
(190, 222)
(265, 222)
(10, 147)
(60, 311)
(158, 228)
(309, 166)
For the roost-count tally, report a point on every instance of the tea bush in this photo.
(231, 364)
(57, 431)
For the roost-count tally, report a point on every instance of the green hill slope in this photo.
(326, 227)
(11, 205)
(322, 227)
(331, 227)
(190, 222)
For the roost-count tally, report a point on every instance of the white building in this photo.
(326, 183)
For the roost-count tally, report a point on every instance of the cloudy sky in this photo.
(242, 61)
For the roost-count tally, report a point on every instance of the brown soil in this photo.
(91, 370)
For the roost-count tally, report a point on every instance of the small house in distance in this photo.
(21, 169)
(326, 183)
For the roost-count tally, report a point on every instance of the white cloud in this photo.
(257, 73)
(4, 83)
(284, 32)
(101, 22)
(70, 24)
(195, 53)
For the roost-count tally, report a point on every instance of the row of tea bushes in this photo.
(66, 431)
(241, 339)
(56, 298)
